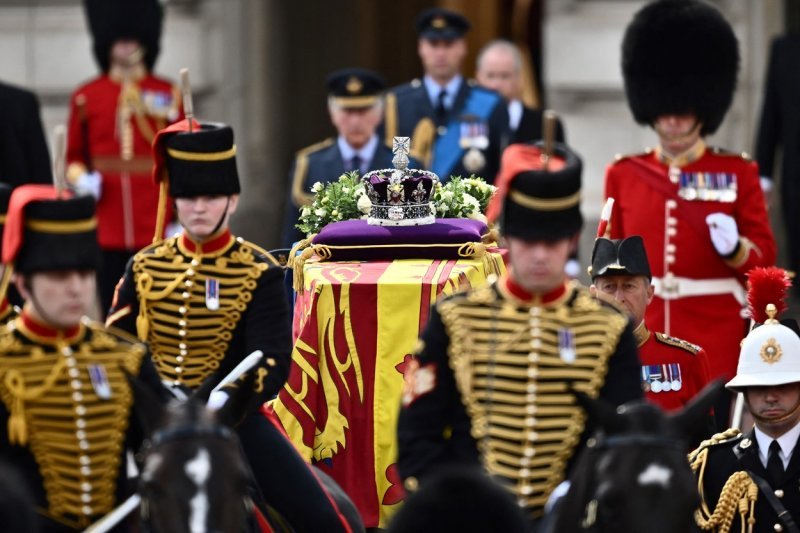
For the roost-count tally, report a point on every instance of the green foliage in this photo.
(346, 199)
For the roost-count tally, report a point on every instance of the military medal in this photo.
(212, 294)
(474, 139)
(100, 384)
(566, 345)
(707, 186)
(677, 379)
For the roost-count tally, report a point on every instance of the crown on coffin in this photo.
(400, 196)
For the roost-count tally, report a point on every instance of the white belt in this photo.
(673, 288)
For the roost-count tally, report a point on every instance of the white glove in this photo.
(217, 399)
(724, 232)
(89, 183)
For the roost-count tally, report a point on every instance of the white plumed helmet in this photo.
(770, 354)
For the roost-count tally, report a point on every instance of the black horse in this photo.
(633, 475)
(195, 477)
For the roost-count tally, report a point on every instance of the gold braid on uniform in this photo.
(188, 341)
(76, 437)
(422, 141)
(738, 495)
(507, 365)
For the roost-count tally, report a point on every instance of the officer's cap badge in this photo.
(354, 85)
(439, 22)
(771, 351)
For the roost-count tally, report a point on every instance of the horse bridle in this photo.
(599, 444)
(186, 432)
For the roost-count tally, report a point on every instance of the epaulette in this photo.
(316, 147)
(150, 248)
(261, 251)
(679, 343)
(300, 196)
(716, 150)
(730, 435)
(621, 157)
(406, 88)
(119, 334)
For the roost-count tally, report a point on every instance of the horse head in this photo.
(633, 474)
(194, 478)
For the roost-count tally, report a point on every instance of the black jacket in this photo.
(24, 157)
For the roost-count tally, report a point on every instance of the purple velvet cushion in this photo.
(355, 240)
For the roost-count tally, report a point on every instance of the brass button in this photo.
(411, 484)
(779, 493)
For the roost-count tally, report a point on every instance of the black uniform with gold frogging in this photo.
(490, 385)
(204, 307)
(66, 416)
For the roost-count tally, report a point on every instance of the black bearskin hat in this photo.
(680, 56)
(111, 20)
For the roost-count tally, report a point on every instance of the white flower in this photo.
(447, 195)
(360, 192)
(335, 212)
(345, 190)
(317, 187)
(443, 208)
(471, 201)
(321, 212)
(364, 217)
(364, 205)
(305, 212)
(324, 200)
(477, 215)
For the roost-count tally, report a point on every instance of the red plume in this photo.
(766, 285)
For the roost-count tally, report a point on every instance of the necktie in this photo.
(355, 163)
(441, 110)
(775, 464)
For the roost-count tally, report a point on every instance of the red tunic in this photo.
(673, 370)
(699, 294)
(115, 139)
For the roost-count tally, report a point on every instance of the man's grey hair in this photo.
(501, 44)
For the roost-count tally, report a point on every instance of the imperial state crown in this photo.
(400, 196)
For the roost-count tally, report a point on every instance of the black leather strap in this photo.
(774, 502)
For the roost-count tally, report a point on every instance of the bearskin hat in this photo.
(111, 20)
(680, 56)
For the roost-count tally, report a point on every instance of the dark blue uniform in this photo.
(407, 107)
(728, 453)
(320, 162)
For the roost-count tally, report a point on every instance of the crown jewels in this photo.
(400, 196)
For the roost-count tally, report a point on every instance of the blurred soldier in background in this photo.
(499, 68)
(112, 123)
(355, 104)
(23, 149)
(778, 129)
(456, 127)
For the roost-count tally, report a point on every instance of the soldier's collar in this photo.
(213, 244)
(134, 74)
(641, 333)
(513, 290)
(44, 333)
(680, 160)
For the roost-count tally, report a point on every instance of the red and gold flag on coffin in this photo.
(341, 401)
